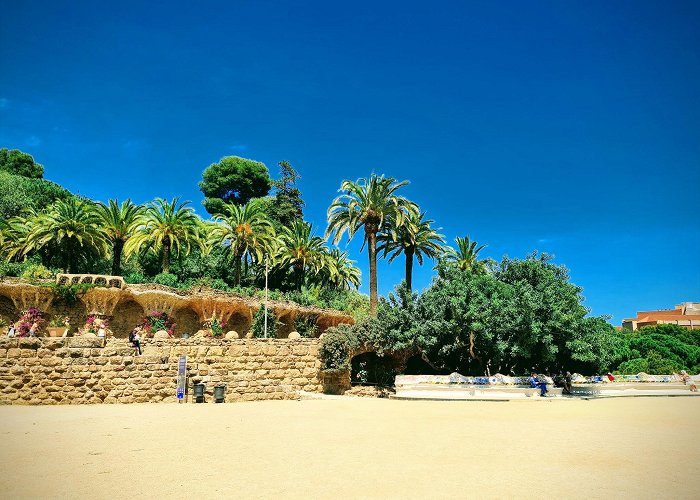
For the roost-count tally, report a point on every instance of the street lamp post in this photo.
(266, 264)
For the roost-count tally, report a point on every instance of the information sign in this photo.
(181, 378)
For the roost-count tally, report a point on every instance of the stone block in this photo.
(85, 342)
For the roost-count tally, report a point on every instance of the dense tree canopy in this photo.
(18, 193)
(233, 180)
(16, 162)
(286, 206)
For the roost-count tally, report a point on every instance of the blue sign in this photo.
(181, 377)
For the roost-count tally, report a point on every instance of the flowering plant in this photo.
(155, 321)
(58, 321)
(215, 326)
(93, 324)
(30, 317)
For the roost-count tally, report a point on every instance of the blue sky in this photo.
(568, 127)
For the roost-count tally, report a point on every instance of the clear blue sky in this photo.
(568, 127)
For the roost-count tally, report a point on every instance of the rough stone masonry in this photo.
(80, 370)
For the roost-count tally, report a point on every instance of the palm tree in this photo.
(416, 238)
(246, 231)
(167, 227)
(465, 257)
(120, 222)
(373, 205)
(70, 229)
(301, 249)
(339, 271)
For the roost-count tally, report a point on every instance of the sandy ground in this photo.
(355, 448)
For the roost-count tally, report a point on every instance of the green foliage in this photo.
(306, 325)
(18, 194)
(136, 277)
(13, 269)
(37, 272)
(661, 349)
(166, 279)
(16, 162)
(337, 345)
(258, 327)
(68, 294)
(286, 206)
(233, 180)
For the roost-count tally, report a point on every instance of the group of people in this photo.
(540, 381)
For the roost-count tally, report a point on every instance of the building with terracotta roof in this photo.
(686, 314)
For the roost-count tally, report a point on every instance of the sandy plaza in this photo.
(355, 448)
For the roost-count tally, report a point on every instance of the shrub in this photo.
(37, 271)
(135, 278)
(258, 327)
(166, 279)
(219, 284)
(337, 346)
(157, 320)
(306, 325)
(13, 269)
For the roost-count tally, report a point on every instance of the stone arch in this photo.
(286, 319)
(187, 321)
(8, 311)
(127, 315)
(240, 322)
(371, 369)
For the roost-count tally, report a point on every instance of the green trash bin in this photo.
(199, 393)
(219, 393)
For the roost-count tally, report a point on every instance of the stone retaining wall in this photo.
(79, 370)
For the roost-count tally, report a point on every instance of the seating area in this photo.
(500, 387)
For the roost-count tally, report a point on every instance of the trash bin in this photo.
(219, 393)
(199, 393)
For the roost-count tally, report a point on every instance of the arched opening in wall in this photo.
(240, 323)
(126, 316)
(307, 325)
(286, 323)
(370, 369)
(8, 312)
(416, 365)
(187, 322)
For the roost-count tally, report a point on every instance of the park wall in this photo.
(80, 370)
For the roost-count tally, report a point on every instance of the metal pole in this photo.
(266, 263)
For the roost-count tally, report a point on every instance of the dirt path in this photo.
(355, 448)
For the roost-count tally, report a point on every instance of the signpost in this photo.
(181, 378)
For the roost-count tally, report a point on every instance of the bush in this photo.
(306, 326)
(166, 279)
(258, 327)
(219, 284)
(634, 366)
(135, 278)
(37, 271)
(13, 269)
(337, 345)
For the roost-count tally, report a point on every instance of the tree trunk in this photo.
(409, 270)
(238, 269)
(166, 255)
(372, 251)
(117, 248)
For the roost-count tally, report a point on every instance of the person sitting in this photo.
(533, 380)
(542, 383)
(135, 339)
(688, 380)
(611, 378)
(566, 384)
(11, 330)
(34, 328)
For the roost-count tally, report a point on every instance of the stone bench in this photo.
(470, 391)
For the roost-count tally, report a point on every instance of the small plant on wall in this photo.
(306, 325)
(258, 327)
(155, 321)
(215, 326)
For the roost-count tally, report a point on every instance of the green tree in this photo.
(18, 194)
(233, 180)
(120, 222)
(373, 205)
(465, 256)
(286, 206)
(300, 249)
(16, 162)
(245, 231)
(70, 230)
(414, 238)
(166, 227)
(339, 271)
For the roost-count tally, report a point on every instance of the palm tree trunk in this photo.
(238, 270)
(409, 270)
(372, 251)
(166, 255)
(117, 248)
